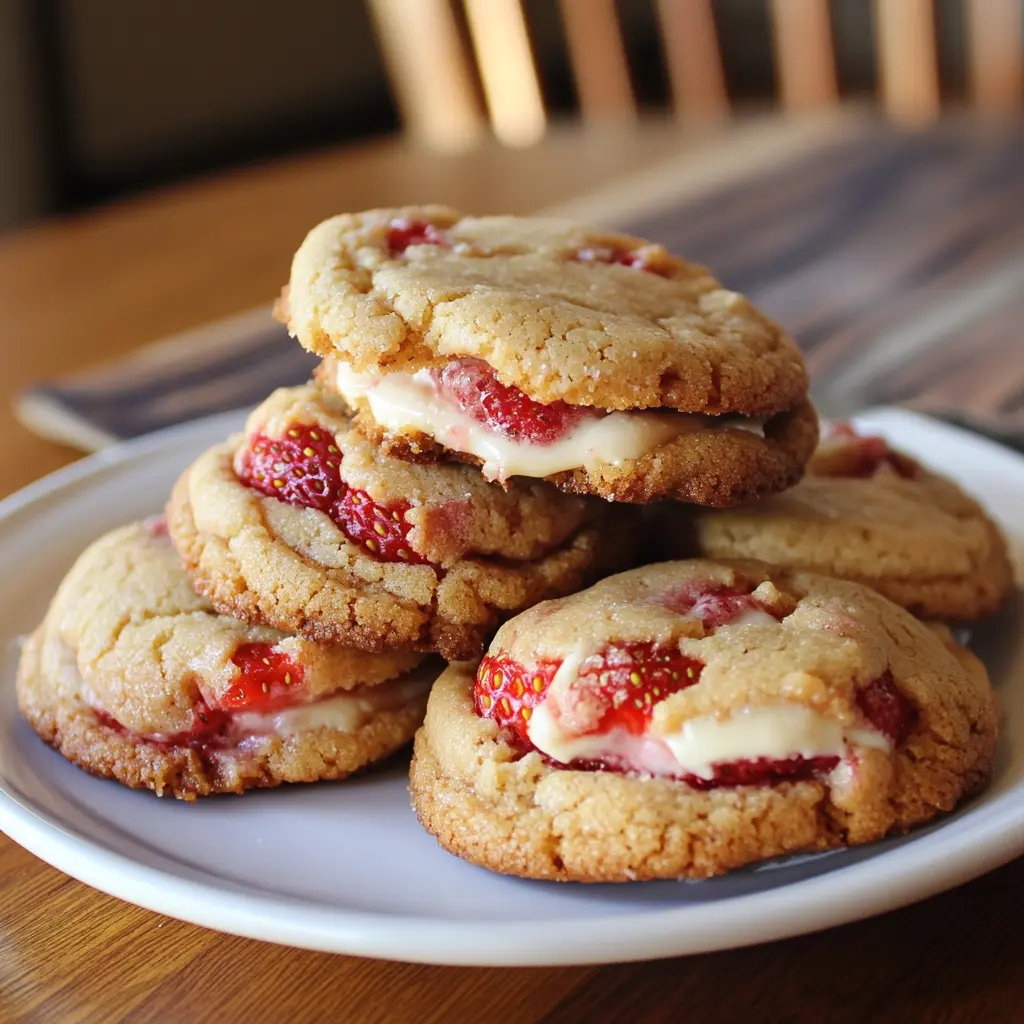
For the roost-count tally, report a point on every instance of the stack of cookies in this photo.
(506, 412)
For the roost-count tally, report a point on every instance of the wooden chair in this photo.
(434, 75)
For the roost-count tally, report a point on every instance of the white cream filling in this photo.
(774, 733)
(751, 617)
(402, 401)
(342, 712)
(646, 754)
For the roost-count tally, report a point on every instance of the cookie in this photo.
(462, 412)
(548, 349)
(134, 677)
(561, 311)
(304, 525)
(688, 718)
(867, 513)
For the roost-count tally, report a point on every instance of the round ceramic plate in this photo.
(344, 867)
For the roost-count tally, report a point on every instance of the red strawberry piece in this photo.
(624, 257)
(474, 387)
(304, 468)
(627, 682)
(505, 692)
(865, 455)
(762, 771)
(630, 681)
(633, 678)
(301, 468)
(207, 722)
(714, 604)
(266, 679)
(839, 428)
(156, 526)
(108, 721)
(381, 529)
(886, 708)
(403, 233)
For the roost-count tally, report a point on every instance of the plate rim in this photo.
(916, 870)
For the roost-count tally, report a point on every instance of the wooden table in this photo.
(92, 287)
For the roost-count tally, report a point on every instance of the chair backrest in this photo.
(435, 74)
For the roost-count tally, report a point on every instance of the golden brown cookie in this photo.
(302, 524)
(867, 513)
(688, 718)
(542, 348)
(560, 311)
(621, 456)
(134, 677)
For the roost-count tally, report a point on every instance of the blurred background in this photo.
(856, 167)
(100, 99)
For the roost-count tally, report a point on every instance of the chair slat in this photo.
(429, 72)
(693, 58)
(995, 54)
(598, 60)
(804, 54)
(505, 63)
(907, 61)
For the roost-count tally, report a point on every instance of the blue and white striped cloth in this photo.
(231, 364)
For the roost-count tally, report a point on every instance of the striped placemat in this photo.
(896, 259)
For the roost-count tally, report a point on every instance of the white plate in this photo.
(344, 867)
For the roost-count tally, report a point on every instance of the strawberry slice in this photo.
(473, 386)
(886, 708)
(623, 257)
(207, 722)
(304, 468)
(403, 233)
(762, 771)
(627, 682)
(266, 679)
(301, 468)
(846, 453)
(381, 529)
(715, 604)
(505, 692)
(156, 526)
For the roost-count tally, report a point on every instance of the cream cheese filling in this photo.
(751, 617)
(401, 402)
(772, 732)
(342, 712)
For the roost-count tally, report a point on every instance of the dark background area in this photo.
(102, 98)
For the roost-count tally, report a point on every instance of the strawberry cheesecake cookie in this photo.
(867, 513)
(304, 525)
(539, 348)
(134, 677)
(688, 718)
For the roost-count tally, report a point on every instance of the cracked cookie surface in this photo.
(867, 513)
(374, 552)
(560, 311)
(133, 676)
(886, 725)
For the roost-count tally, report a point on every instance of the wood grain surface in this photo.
(896, 259)
(77, 291)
